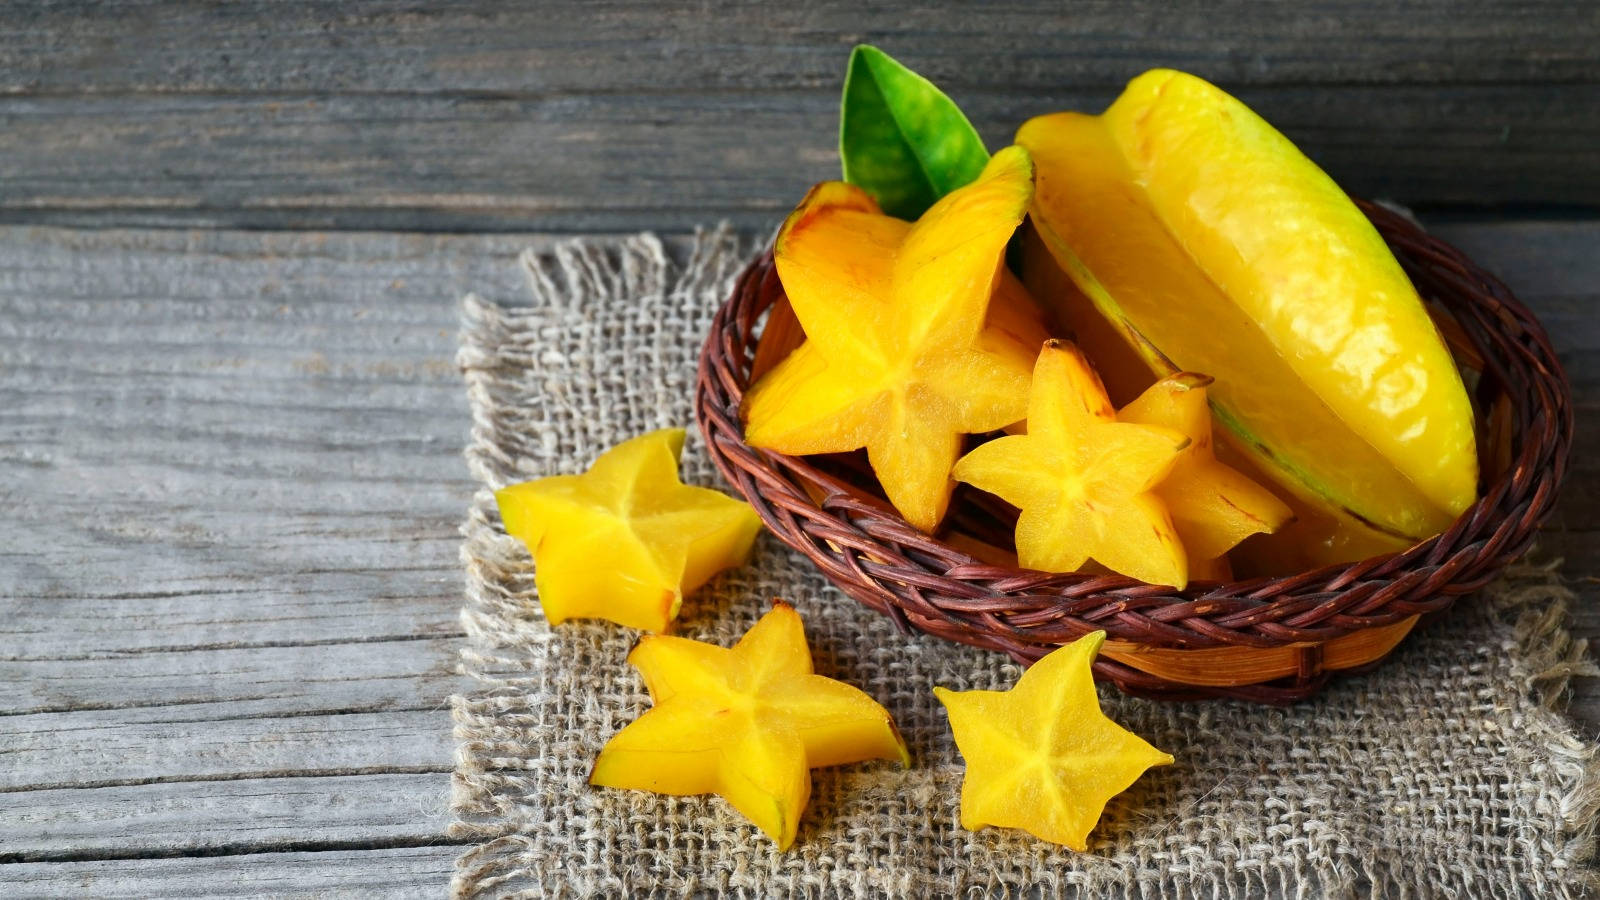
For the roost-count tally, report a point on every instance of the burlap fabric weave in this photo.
(1448, 772)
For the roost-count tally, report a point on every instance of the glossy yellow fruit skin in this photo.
(1213, 506)
(1042, 756)
(747, 723)
(1083, 480)
(1198, 238)
(904, 352)
(626, 540)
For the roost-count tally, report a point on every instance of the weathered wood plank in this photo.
(381, 873)
(1549, 262)
(368, 676)
(672, 161)
(230, 442)
(193, 818)
(200, 742)
(610, 116)
(339, 46)
(305, 605)
(228, 563)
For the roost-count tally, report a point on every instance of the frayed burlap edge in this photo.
(1530, 600)
(1545, 656)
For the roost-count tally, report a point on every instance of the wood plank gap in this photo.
(239, 645)
(243, 849)
(68, 709)
(229, 776)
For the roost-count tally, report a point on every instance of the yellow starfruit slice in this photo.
(1042, 756)
(1082, 479)
(1213, 507)
(903, 354)
(746, 723)
(1316, 537)
(1181, 232)
(626, 540)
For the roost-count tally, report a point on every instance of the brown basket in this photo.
(1273, 640)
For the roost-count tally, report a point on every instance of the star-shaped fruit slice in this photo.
(902, 355)
(1213, 506)
(1042, 756)
(1082, 479)
(626, 540)
(747, 723)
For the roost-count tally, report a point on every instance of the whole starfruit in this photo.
(1179, 231)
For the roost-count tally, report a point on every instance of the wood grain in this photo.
(228, 565)
(273, 680)
(261, 814)
(576, 116)
(207, 742)
(674, 161)
(571, 46)
(383, 873)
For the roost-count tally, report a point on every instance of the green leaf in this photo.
(900, 138)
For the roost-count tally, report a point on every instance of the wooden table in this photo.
(230, 457)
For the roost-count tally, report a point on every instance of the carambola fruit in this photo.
(1082, 479)
(903, 354)
(1181, 232)
(1042, 756)
(626, 540)
(747, 723)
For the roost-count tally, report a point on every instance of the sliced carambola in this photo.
(626, 540)
(1042, 756)
(903, 354)
(747, 723)
(1180, 232)
(1082, 479)
(1213, 506)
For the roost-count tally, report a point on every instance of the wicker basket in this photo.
(1273, 640)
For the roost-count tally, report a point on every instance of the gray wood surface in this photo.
(231, 474)
(230, 464)
(194, 817)
(399, 872)
(596, 116)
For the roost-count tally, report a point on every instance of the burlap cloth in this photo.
(1448, 772)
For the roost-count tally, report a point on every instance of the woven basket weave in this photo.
(1273, 640)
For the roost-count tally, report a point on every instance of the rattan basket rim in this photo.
(926, 584)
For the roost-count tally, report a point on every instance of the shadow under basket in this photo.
(1271, 640)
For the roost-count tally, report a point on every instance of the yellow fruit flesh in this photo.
(904, 352)
(603, 571)
(1213, 506)
(747, 723)
(1082, 479)
(1015, 319)
(1201, 240)
(1042, 756)
(1315, 538)
(626, 540)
